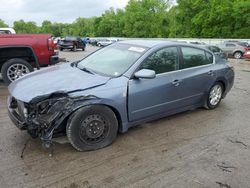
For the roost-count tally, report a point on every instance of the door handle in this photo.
(211, 72)
(176, 82)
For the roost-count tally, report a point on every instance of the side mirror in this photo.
(145, 73)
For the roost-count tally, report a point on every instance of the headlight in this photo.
(43, 107)
(52, 105)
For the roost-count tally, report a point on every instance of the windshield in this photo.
(112, 60)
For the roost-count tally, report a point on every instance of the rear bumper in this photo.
(54, 60)
(230, 81)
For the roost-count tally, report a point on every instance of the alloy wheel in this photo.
(215, 95)
(16, 71)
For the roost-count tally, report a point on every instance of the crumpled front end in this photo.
(40, 119)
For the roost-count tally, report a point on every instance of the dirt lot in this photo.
(198, 148)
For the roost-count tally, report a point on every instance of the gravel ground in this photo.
(199, 148)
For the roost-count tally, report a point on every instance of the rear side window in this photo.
(5, 32)
(214, 49)
(163, 60)
(209, 57)
(193, 57)
(230, 45)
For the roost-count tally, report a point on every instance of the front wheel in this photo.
(92, 127)
(214, 96)
(14, 69)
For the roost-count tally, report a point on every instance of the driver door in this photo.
(148, 97)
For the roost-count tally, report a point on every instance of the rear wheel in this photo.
(74, 48)
(215, 95)
(92, 127)
(237, 55)
(14, 69)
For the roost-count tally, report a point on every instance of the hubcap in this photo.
(93, 129)
(16, 71)
(215, 95)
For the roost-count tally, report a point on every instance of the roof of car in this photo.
(150, 43)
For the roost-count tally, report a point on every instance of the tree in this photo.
(210, 19)
(111, 23)
(2, 24)
(146, 18)
(25, 27)
(47, 27)
(241, 26)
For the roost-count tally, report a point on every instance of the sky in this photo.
(65, 11)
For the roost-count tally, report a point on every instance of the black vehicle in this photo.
(72, 43)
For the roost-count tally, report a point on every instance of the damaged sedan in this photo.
(117, 87)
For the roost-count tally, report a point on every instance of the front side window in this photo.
(193, 57)
(164, 60)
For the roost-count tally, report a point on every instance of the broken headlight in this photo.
(49, 110)
(43, 107)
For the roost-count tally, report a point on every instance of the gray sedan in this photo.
(115, 88)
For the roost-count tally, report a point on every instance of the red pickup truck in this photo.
(21, 53)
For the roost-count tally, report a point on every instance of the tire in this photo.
(83, 49)
(237, 55)
(92, 127)
(14, 69)
(99, 45)
(214, 96)
(74, 48)
(61, 49)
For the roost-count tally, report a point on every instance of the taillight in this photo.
(50, 44)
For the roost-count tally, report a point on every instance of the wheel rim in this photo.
(16, 71)
(215, 95)
(93, 129)
(237, 55)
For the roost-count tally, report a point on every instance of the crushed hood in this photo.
(57, 79)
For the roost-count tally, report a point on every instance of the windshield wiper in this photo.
(86, 70)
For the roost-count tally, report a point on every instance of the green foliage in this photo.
(25, 27)
(2, 24)
(155, 18)
(110, 24)
(211, 19)
(146, 18)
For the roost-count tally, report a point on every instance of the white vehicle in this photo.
(106, 42)
(7, 31)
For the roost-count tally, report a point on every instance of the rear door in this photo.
(230, 48)
(197, 74)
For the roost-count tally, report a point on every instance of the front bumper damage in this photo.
(41, 119)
